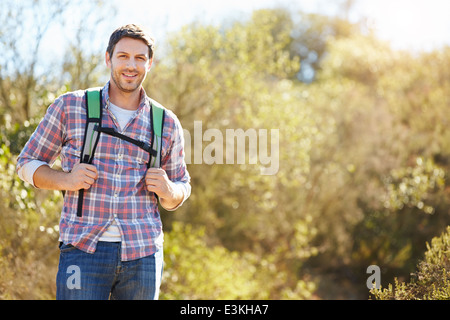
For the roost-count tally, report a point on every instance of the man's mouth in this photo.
(129, 76)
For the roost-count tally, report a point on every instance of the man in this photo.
(114, 249)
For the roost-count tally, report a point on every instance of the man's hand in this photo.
(169, 193)
(82, 176)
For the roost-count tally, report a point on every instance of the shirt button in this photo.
(120, 156)
(115, 195)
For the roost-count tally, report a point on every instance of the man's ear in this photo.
(149, 64)
(108, 59)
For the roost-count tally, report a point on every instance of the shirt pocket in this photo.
(70, 155)
(136, 156)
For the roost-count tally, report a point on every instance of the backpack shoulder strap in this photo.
(93, 98)
(93, 123)
(157, 117)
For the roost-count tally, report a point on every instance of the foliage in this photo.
(432, 279)
(29, 232)
(213, 75)
(194, 270)
(361, 172)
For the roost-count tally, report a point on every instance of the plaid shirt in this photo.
(119, 193)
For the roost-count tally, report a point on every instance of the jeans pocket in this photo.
(63, 248)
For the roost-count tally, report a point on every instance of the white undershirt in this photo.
(123, 116)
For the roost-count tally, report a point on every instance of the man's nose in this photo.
(131, 63)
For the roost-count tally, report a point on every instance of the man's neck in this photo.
(125, 100)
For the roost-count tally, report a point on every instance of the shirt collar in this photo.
(143, 103)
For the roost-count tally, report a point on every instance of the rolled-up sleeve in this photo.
(44, 145)
(173, 161)
(26, 171)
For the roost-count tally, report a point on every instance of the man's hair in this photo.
(130, 31)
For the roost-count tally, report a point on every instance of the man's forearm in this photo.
(175, 199)
(82, 176)
(50, 179)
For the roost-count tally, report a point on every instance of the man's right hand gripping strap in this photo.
(91, 134)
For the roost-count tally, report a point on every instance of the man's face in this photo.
(129, 64)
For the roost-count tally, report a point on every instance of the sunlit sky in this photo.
(408, 24)
(417, 24)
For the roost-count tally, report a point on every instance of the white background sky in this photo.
(407, 24)
(418, 24)
(411, 24)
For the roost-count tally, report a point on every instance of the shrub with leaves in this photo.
(28, 235)
(432, 279)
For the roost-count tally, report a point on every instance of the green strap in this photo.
(93, 96)
(158, 112)
(93, 105)
(158, 123)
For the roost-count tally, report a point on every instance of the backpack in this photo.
(93, 129)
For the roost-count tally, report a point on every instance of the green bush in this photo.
(432, 279)
(28, 235)
(195, 270)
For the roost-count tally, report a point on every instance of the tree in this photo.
(29, 220)
(21, 44)
(359, 174)
(217, 76)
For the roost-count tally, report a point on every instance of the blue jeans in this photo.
(102, 275)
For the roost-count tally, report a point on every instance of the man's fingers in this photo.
(91, 171)
(83, 176)
(86, 186)
(156, 181)
(155, 174)
(155, 171)
(152, 182)
(89, 180)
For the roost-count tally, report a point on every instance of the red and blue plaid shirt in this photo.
(119, 193)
